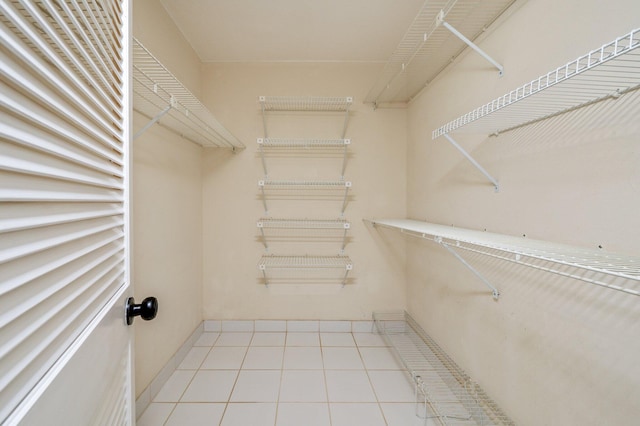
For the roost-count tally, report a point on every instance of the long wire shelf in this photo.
(278, 267)
(305, 103)
(445, 394)
(606, 72)
(594, 266)
(429, 46)
(320, 224)
(159, 96)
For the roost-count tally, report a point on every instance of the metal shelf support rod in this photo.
(264, 163)
(494, 291)
(153, 121)
(347, 142)
(347, 185)
(470, 43)
(473, 161)
(264, 197)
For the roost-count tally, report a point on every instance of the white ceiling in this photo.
(293, 30)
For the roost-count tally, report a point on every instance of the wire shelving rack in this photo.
(445, 394)
(295, 269)
(594, 266)
(163, 99)
(288, 228)
(429, 46)
(608, 72)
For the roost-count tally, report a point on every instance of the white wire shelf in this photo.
(320, 224)
(594, 266)
(278, 268)
(447, 394)
(303, 230)
(159, 96)
(305, 184)
(428, 46)
(305, 103)
(606, 72)
(306, 144)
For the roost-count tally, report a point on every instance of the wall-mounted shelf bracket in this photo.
(441, 21)
(473, 161)
(494, 291)
(153, 121)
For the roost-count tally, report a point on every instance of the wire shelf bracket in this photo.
(440, 21)
(593, 266)
(473, 161)
(163, 99)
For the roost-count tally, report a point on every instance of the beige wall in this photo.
(551, 351)
(167, 210)
(232, 282)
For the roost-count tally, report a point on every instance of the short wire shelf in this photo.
(303, 230)
(305, 184)
(159, 96)
(277, 268)
(305, 103)
(595, 266)
(606, 72)
(445, 394)
(306, 144)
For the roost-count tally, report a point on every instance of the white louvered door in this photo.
(65, 349)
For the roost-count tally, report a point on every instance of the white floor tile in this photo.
(379, 359)
(307, 414)
(303, 386)
(369, 339)
(196, 414)
(341, 358)
(237, 325)
(392, 386)
(207, 339)
(210, 386)
(175, 386)
(303, 339)
(270, 326)
(302, 358)
(362, 326)
(335, 326)
(297, 326)
(257, 386)
(268, 339)
(224, 358)
(212, 325)
(356, 415)
(234, 339)
(155, 414)
(404, 414)
(263, 358)
(337, 339)
(349, 386)
(256, 414)
(194, 358)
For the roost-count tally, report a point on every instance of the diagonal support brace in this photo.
(469, 43)
(153, 121)
(494, 290)
(473, 161)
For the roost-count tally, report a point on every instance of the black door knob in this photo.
(147, 310)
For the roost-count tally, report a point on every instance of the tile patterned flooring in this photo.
(286, 378)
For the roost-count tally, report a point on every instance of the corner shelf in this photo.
(319, 268)
(325, 228)
(445, 394)
(604, 73)
(428, 47)
(160, 97)
(594, 266)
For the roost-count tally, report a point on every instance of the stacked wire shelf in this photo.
(445, 394)
(304, 268)
(160, 97)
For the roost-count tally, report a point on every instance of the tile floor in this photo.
(292, 378)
